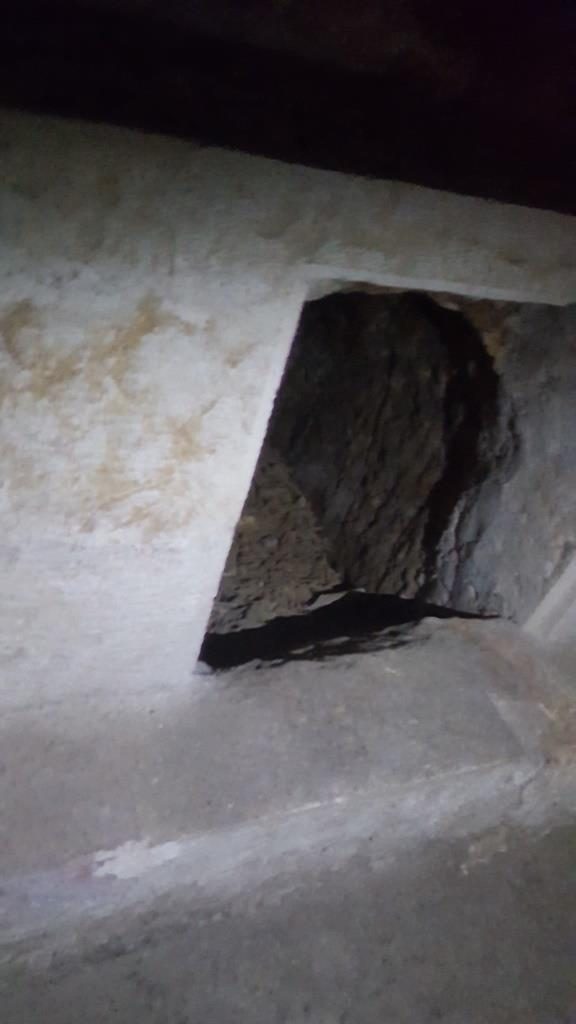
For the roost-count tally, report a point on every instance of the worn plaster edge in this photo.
(323, 280)
(86, 129)
(554, 284)
(554, 620)
(43, 912)
(294, 304)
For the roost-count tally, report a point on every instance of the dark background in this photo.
(475, 97)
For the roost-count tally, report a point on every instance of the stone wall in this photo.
(151, 290)
(279, 559)
(388, 413)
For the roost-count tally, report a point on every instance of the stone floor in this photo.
(469, 930)
(394, 841)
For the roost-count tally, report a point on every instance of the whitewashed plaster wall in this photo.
(150, 292)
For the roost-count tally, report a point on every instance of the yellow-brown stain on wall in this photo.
(237, 356)
(17, 318)
(106, 355)
(148, 502)
(108, 492)
(185, 438)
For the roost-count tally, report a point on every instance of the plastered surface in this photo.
(150, 292)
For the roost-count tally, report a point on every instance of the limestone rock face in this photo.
(279, 558)
(389, 414)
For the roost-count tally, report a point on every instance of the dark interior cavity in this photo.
(420, 452)
(474, 97)
(390, 428)
(387, 417)
(353, 623)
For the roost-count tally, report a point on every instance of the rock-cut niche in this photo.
(390, 439)
(421, 446)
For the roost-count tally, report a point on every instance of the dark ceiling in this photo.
(471, 96)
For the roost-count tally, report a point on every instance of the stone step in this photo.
(86, 775)
(386, 836)
(115, 796)
(449, 899)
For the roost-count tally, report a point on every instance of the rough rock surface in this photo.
(279, 558)
(390, 411)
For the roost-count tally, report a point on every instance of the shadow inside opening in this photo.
(389, 432)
